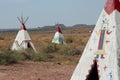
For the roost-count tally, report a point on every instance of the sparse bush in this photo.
(1, 38)
(63, 50)
(74, 52)
(69, 40)
(29, 54)
(46, 57)
(10, 57)
(82, 42)
(50, 48)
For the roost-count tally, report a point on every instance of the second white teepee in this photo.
(58, 37)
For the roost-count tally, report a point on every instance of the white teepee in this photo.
(58, 37)
(101, 57)
(23, 40)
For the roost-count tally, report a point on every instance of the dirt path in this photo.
(36, 71)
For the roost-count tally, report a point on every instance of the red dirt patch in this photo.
(36, 71)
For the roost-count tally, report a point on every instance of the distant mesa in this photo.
(52, 27)
(82, 25)
(64, 27)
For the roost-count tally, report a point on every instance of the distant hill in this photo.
(51, 27)
(82, 25)
(64, 27)
(10, 30)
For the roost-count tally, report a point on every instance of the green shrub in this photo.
(74, 52)
(69, 40)
(63, 50)
(50, 48)
(82, 42)
(33, 57)
(29, 54)
(46, 57)
(1, 38)
(10, 57)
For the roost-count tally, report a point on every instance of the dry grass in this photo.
(41, 39)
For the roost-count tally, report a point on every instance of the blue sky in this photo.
(49, 12)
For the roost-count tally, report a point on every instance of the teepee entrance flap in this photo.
(93, 73)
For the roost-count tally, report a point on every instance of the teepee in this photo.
(58, 37)
(101, 57)
(22, 40)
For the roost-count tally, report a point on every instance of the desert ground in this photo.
(56, 66)
(36, 71)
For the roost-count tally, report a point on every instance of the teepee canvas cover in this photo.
(22, 40)
(100, 59)
(58, 37)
